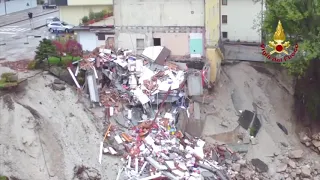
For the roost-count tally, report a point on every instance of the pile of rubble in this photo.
(292, 168)
(313, 142)
(145, 95)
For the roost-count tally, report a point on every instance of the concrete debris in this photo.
(58, 81)
(260, 165)
(57, 87)
(282, 167)
(140, 88)
(291, 163)
(284, 129)
(305, 171)
(312, 142)
(295, 154)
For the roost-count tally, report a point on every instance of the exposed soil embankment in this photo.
(45, 134)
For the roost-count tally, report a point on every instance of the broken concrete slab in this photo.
(260, 165)
(58, 81)
(58, 87)
(195, 87)
(296, 154)
(240, 148)
(282, 167)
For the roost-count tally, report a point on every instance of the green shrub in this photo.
(4, 178)
(85, 19)
(98, 16)
(32, 65)
(104, 12)
(45, 49)
(91, 15)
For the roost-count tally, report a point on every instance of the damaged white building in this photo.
(176, 24)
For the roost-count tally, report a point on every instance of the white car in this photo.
(52, 19)
(59, 27)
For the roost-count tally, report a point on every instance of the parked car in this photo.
(60, 27)
(52, 19)
(49, 6)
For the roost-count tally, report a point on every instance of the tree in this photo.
(60, 49)
(299, 20)
(45, 49)
(73, 48)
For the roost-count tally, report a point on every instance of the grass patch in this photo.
(63, 61)
(3, 178)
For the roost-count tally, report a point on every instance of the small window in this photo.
(224, 34)
(224, 19)
(101, 37)
(157, 41)
(224, 2)
(140, 44)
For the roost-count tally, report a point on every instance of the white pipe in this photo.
(136, 165)
(95, 72)
(119, 173)
(77, 71)
(100, 153)
(142, 168)
(129, 162)
(74, 78)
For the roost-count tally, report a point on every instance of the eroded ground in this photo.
(46, 134)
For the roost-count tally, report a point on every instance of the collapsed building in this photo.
(157, 130)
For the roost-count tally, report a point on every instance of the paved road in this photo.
(22, 46)
(19, 28)
(23, 15)
(16, 5)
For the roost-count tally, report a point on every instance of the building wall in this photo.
(212, 22)
(212, 35)
(88, 40)
(159, 13)
(15, 6)
(74, 14)
(90, 2)
(178, 43)
(128, 40)
(216, 57)
(242, 15)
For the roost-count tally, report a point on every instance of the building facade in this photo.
(240, 20)
(7, 7)
(72, 11)
(90, 35)
(175, 24)
(213, 39)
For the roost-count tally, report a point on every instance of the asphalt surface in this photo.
(23, 15)
(26, 26)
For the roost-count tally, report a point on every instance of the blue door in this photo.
(196, 44)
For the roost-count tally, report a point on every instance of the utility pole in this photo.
(5, 7)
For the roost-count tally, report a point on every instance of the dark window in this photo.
(156, 41)
(224, 19)
(61, 2)
(225, 2)
(101, 37)
(224, 34)
(56, 24)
